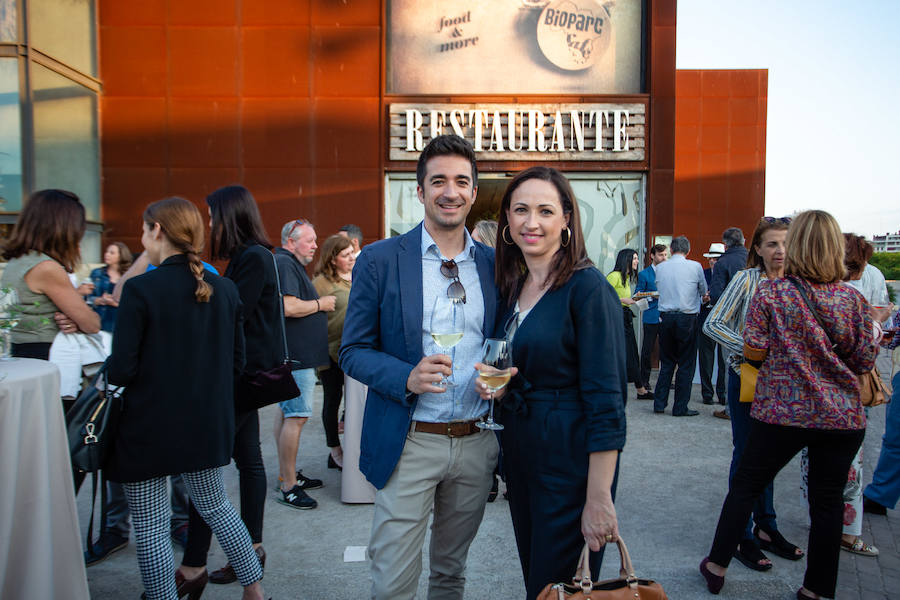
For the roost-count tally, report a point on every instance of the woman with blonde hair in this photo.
(811, 335)
(177, 351)
(333, 277)
(485, 232)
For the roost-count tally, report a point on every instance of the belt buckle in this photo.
(450, 433)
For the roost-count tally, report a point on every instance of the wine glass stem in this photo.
(491, 413)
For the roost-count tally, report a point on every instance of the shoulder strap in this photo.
(814, 312)
(287, 357)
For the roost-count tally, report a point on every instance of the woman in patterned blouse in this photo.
(807, 395)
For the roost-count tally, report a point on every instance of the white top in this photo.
(872, 286)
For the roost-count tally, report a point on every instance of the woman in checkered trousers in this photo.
(179, 343)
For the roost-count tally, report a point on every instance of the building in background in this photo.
(889, 242)
(320, 108)
(49, 88)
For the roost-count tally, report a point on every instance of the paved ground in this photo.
(672, 483)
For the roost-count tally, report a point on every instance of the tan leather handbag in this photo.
(626, 587)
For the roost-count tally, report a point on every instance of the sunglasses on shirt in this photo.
(455, 291)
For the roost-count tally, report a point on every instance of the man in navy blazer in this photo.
(420, 447)
(650, 318)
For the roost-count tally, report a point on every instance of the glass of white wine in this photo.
(448, 323)
(495, 373)
(9, 318)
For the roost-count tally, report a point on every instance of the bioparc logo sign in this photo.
(573, 34)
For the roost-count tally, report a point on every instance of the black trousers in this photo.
(632, 362)
(769, 449)
(708, 352)
(651, 331)
(248, 458)
(332, 392)
(677, 348)
(546, 476)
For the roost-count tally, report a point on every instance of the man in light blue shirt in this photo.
(420, 447)
(681, 286)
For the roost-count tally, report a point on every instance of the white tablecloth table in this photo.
(355, 488)
(40, 547)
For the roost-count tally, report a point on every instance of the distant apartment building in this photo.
(889, 242)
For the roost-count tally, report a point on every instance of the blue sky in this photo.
(833, 132)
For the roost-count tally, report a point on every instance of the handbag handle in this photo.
(280, 310)
(583, 571)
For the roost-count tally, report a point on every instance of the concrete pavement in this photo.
(672, 484)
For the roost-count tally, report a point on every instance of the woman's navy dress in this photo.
(567, 401)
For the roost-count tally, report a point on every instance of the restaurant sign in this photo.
(553, 132)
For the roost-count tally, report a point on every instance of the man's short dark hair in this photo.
(446, 145)
(733, 237)
(657, 248)
(353, 231)
(680, 245)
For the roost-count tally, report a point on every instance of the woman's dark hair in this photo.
(52, 222)
(859, 252)
(235, 222)
(510, 267)
(182, 225)
(754, 260)
(125, 256)
(624, 265)
(331, 247)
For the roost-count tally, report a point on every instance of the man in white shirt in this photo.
(681, 286)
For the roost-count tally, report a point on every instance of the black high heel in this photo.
(777, 544)
(714, 582)
(332, 464)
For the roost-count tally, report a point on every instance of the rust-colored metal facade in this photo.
(288, 98)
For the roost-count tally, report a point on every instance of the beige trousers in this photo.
(448, 476)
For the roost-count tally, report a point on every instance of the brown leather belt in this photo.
(452, 429)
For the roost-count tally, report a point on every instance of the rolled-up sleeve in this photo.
(721, 322)
(601, 367)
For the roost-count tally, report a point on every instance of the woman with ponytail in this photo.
(179, 346)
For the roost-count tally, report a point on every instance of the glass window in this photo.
(611, 207)
(66, 148)
(9, 21)
(10, 137)
(66, 30)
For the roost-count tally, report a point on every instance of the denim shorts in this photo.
(301, 406)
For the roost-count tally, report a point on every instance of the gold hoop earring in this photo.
(568, 238)
(503, 235)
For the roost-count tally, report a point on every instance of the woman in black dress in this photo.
(238, 235)
(623, 278)
(564, 412)
(178, 347)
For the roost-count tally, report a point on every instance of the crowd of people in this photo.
(186, 342)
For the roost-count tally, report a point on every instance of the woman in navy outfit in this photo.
(564, 413)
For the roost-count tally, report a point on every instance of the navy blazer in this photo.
(382, 340)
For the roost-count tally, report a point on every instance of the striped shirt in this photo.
(725, 324)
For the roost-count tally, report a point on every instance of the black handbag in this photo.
(268, 386)
(91, 425)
